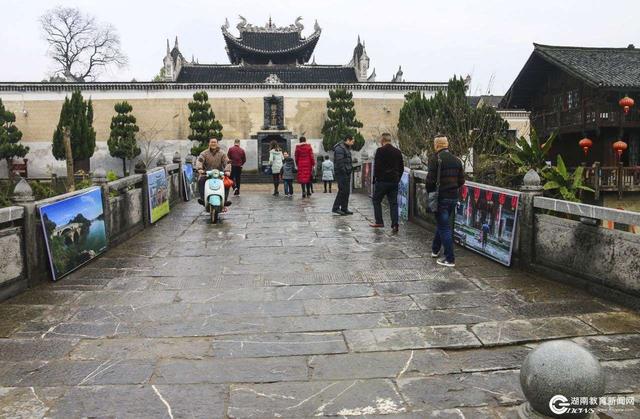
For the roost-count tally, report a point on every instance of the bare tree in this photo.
(151, 149)
(80, 47)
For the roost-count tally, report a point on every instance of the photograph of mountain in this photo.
(74, 231)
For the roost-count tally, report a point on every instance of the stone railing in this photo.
(566, 241)
(23, 253)
(12, 267)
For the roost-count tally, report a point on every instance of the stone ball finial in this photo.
(176, 157)
(364, 155)
(140, 167)
(99, 176)
(22, 192)
(554, 373)
(189, 159)
(162, 160)
(531, 181)
(415, 163)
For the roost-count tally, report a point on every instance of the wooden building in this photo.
(574, 91)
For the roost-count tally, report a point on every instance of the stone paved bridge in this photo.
(288, 311)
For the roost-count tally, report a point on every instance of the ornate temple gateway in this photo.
(272, 89)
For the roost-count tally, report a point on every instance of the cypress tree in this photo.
(122, 141)
(203, 122)
(77, 116)
(10, 137)
(341, 120)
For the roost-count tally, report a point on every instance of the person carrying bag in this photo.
(444, 177)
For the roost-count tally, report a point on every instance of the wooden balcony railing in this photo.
(612, 179)
(599, 116)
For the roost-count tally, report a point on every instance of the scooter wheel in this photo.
(214, 215)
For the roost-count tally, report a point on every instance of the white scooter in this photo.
(214, 194)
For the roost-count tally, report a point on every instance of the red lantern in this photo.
(514, 202)
(626, 103)
(464, 192)
(619, 146)
(502, 198)
(585, 144)
(488, 195)
(476, 194)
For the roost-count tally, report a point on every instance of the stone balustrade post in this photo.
(141, 169)
(415, 163)
(23, 197)
(178, 159)
(99, 178)
(161, 161)
(531, 187)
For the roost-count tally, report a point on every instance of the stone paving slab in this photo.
(286, 310)
(517, 331)
(397, 339)
(307, 399)
(286, 344)
(179, 371)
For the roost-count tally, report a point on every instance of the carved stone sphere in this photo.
(560, 370)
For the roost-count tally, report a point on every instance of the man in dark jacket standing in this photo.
(342, 167)
(388, 167)
(451, 178)
(238, 159)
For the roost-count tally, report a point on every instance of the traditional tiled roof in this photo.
(604, 68)
(260, 74)
(270, 43)
(600, 67)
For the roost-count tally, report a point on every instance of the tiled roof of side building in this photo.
(601, 67)
(259, 74)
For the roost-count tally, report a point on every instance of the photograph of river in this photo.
(74, 231)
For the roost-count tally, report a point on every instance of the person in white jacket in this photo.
(327, 173)
(275, 161)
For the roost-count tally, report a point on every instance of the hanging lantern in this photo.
(619, 146)
(463, 192)
(502, 198)
(488, 195)
(585, 144)
(626, 103)
(476, 194)
(514, 202)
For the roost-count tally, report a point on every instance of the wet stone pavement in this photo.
(288, 311)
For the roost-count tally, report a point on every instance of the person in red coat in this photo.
(305, 162)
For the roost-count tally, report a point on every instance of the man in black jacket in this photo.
(451, 178)
(388, 167)
(342, 167)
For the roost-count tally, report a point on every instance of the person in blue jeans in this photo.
(451, 179)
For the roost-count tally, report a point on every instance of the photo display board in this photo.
(158, 194)
(74, 231)
(486, 220)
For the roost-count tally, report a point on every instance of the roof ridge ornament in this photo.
(273, 79)
(271, 27)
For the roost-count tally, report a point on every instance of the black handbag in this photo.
(432, 197)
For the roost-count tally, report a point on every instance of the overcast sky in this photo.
(432, 40)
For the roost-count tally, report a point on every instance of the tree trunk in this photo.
(71, 181)
(124, 168)
(11, 174)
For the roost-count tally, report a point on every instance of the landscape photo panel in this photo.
(74, 231)
(158, 194)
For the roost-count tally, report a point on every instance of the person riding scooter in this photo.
(210, 159)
